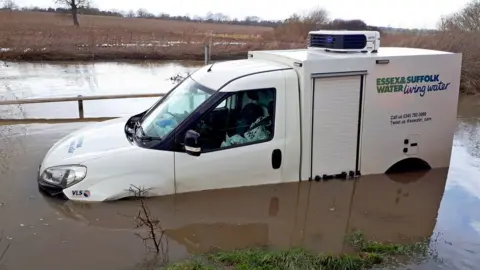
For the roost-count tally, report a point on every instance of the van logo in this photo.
(75, 145)
(416, 84)
(80, 193)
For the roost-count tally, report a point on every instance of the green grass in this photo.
(290, 259)
(263, 259)
(357, 240)
(369, 254)
(190, 265)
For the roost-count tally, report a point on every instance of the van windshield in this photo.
(177, 106)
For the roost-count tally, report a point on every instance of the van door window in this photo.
(243, 118)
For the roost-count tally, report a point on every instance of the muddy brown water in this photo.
(47, 233)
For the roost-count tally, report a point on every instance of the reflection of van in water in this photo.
(399, 209)
(339, 109)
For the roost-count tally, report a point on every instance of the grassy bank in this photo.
(367, 255)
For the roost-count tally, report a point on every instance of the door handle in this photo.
(276, 159)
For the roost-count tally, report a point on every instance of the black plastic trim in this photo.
(276, 159)
(342, 175)
(311, 125)
(359, 125)
(50, 189)
(409, 165)
(300, 121)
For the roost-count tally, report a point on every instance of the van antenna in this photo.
(210, 68)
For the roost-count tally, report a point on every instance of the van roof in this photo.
(303, 55)
(224, 72)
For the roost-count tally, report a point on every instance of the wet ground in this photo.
(46, 233)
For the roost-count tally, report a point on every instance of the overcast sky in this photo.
(398, 13)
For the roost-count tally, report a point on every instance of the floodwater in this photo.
(19, 81)
(47, 233)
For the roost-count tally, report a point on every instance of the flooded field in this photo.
(19, 81)
(46, 233)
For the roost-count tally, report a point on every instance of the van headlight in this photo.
(64, 176)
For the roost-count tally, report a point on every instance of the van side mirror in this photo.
(191, 144)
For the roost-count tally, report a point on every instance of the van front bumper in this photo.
(49, 189)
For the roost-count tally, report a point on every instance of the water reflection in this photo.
(309, 214)
(81, 74)
(28, 80)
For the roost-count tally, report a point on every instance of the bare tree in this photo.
(74, 5)
(3, 250)
(348, 25)
(317, 17)
(468, 19)
(130, 14)
(143, 13)
(9, 5)
(144, 219)
(297, 26)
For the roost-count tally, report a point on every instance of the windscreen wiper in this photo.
(144, 137)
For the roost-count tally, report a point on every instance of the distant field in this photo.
(52, 36)
(38, 35)
(60, 24)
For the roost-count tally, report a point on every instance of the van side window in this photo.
(244, 117)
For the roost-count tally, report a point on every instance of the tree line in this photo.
(313, 20)
(75, 7)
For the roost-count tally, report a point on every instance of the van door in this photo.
(336, 125)
(242, 140)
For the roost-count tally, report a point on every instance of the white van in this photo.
(339, 109)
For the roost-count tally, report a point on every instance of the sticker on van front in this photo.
(75, 145)
(81, 193)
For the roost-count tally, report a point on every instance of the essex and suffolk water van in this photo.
(341, 108)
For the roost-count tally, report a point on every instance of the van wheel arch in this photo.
(409, 165)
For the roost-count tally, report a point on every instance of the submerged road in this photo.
(314, 215)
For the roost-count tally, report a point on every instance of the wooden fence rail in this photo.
(79, 99)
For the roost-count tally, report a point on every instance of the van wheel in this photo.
(409, 165)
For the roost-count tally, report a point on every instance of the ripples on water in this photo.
(314, 215)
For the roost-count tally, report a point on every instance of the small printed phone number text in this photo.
(408, 118)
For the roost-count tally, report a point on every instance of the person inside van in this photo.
(254, 126)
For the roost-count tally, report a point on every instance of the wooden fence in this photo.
(79, 99)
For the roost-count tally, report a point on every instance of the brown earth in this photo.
(52, 36)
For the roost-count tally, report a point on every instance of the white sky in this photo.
(398, 13)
